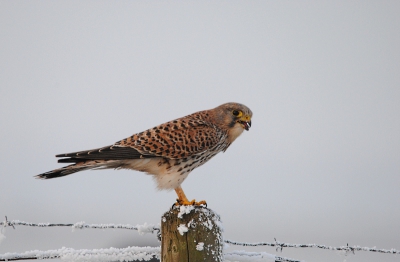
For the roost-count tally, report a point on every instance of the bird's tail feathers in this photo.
(77, 167)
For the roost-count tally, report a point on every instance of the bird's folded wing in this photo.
(176, 139)
(112, 152)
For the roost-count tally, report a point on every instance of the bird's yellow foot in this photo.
(185, 202)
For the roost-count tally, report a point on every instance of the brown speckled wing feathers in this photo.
(173, 140)
(176, 139)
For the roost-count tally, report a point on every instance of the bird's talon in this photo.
(202, 202)
(177, 203)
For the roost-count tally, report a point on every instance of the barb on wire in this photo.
(106, 254)
(7, 223)
(347, 248)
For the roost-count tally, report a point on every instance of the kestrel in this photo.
(169, 151)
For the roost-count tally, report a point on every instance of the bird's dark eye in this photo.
(235, 112)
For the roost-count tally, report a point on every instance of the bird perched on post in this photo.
(169, 151)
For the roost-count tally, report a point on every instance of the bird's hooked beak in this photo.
(245, 121)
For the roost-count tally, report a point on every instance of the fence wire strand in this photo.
(281, 245)
(256, 256)
(142, 229)
(106, 254)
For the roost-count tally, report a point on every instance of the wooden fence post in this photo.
(191, 234)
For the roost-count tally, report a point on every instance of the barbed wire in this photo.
(142, 229)
(106, 254)
(150, 228)
(257, 256)
(281, 245)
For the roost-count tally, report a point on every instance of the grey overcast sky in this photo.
(321, 163)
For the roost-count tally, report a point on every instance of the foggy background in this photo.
(321, 163)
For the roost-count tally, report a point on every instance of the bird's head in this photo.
(233, 117)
